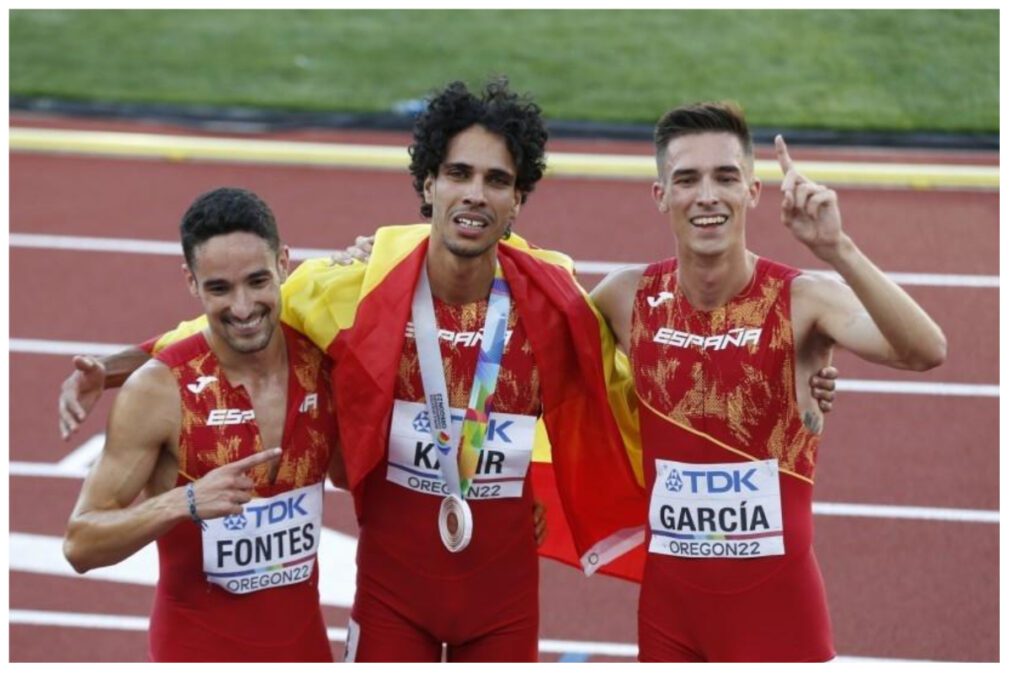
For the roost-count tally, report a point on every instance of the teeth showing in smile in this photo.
(709, 220)
(247, 324)
(470, 223)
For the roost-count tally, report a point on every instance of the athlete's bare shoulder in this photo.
(813, 296)
(149, 396)
(153, 377)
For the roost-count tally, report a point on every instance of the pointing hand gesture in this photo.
(224, 490)
(809, 210)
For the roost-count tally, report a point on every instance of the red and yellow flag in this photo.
(590, 475)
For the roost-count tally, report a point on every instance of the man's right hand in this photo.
(79, 393)
(224, 490)
(361, 250)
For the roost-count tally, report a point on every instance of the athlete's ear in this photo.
(659, 196)
(755, 192)
(190, 280)
(428, 181)
(283, 263)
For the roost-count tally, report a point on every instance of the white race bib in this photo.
(273, 543)
(413, 457)
(716, 510)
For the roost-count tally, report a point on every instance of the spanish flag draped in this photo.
(590, 477)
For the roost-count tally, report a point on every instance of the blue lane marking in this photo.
(573, 657)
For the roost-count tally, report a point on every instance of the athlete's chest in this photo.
(223, 420)
(460, 334)
(751, 330)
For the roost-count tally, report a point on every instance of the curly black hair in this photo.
(454, 109)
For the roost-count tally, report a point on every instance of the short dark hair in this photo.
(224, 211)
(515, 118)
(723, 116)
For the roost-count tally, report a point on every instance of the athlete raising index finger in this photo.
(721, 343)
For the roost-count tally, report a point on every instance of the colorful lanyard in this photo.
(459, 465)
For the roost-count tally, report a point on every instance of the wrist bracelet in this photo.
(191, 499)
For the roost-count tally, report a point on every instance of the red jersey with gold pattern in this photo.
(194, 620)
(728, 373)
(730, 466)
(399, 540)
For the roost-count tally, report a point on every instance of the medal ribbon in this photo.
(458, 457)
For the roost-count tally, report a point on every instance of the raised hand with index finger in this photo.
(809, 210)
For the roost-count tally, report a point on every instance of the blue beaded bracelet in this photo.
(191, 499)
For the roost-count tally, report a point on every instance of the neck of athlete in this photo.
(253, 370)
(459, 280)
(711, 281)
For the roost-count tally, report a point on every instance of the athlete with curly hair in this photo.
(516, 120)
(474, 160)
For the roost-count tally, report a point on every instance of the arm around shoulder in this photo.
(614, 296)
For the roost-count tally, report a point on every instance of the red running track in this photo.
(910, 589)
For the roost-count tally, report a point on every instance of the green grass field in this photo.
(843, 70)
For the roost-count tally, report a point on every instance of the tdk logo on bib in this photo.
(414, 460)
(421, 422)
(716, 481)
(235, 522)
(273, 543)
(674, 482)
(277, 511)
(716, 510)
(497, 429)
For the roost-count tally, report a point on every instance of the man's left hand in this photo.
(809, 210)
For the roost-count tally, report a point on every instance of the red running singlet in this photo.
(194, 620)
(413, 594)
(719, 387)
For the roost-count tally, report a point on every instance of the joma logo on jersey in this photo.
(201, 383)
(735, 337)
(658, 299)
(468, 339)
(230, 416)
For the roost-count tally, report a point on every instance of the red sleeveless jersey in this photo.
(719, 387)
(194, 620)
(399, 540)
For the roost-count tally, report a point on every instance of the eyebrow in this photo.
(688, 172)
(255, 275)
(495, 172)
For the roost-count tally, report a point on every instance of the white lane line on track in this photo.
(585, 268)
(900, 512)
(849, 509)
(917, 388)
(83, 620)
(51, 347)
(386, 157)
